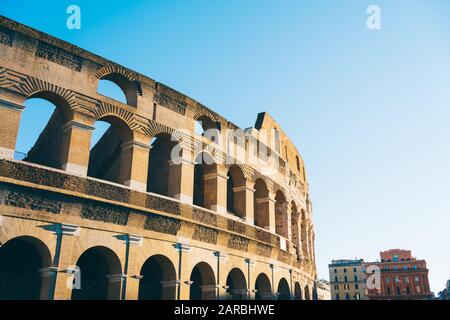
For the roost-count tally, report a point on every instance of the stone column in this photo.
(221, 283)
(68, 275)
(134, 163)
(183, 287)
(250, 291)
(289, 220)
(10, 113)
(271, 206)
(244, 195)
(215, 188)
(134, 244)
(181, 179)
(76, 145)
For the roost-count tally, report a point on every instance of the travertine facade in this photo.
(135, 222)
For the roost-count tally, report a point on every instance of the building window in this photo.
(345, 270)
(356, 286)
(405, 267)
(387, 280)
(337, 296)
(347, 296)
(335, 270)
(397, 280)
(407, 280)
(356, 278)
(408, 291)
(388, 291)
(386, 268)
(398, 290)
(416, 279)
(336, 279)
(345, 279)
(418, 289)
(298, 167)
(336, 287)
(395, 268)
(395, 258)
(415, 267)
(354, 269)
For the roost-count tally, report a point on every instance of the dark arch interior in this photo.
(307, 293)
(207, 127)
(204, 164)
(99, 267)
(106, 158)
(158, 282)
(283, 290)
(260, 211)
(21, 262)
(158, 170)
(263, 288)
(236, 285)
(203, 283)
(298, 291)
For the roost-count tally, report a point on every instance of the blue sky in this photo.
(368, 110)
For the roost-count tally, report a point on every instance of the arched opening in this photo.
(118, 87)
(203, 286)
(307, 293)
(159, 279)
(261, 204)
(41, 138)
(159, 164)
(237, 286)
(204, 166)
(284, 293)
(281, 221)
(100, 275)
(304, 234)
(298, 291)
(236, 191)
(206, 127)
(263, 288)
(295, 228)
(24, 263)
(110, 155)
(109, 89)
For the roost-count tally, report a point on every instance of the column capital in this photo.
(112, 278)
(135, 240)
(220, 255)
(78, 125)
(182, 247)
(68, 229)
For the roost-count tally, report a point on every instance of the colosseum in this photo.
(228, 218)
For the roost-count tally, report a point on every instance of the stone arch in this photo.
(100, 275)
(203, 286)
(204, 167)
(206, 126)
(110, 157)
(281, 218)
(24, 269)
(298, 291)
(236, 285)
(159, 166)
(50, 144)
(307, 293)
(261, 204)
(124, 79)
(263, 287)
(284, 293)
(236, 193)
(159, 279)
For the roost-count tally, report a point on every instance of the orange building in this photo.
(403, 277)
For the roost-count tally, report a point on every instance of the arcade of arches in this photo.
(150, 207)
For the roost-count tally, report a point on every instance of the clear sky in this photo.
(368, 110)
